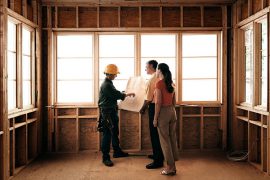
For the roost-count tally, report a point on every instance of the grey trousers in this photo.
(167, 134)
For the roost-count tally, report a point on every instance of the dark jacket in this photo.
(108, 95)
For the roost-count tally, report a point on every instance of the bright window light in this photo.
(75, 68)
(26, 67)
(160, 47)
(249, 65)
(11, 65)
(264, 63)
(118, 50)
(199, 67)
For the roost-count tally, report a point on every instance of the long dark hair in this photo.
(165, 70)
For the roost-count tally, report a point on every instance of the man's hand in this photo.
(130, 94)
(155, 122)
(142, 110)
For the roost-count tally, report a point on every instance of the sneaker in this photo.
(120, 154)
(108, 162)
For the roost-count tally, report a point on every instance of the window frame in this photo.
(258, 65)
(219, 66)
(98, 55)
(19, 79)
(177, 61)
(54, 69)
(137, 63)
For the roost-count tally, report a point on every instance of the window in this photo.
(74, 68)
(249, 65)
(119, 50)
(20, 63)
(26, 67)
(263, 63)
(200, 67)
(12, 65)
(161, 47)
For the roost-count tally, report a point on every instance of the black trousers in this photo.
(110, 135)
(157, 151)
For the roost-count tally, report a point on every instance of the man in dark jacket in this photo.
(108, 122)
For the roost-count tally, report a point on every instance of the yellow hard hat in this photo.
(111, 69)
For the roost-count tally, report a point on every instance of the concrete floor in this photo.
(88, 166)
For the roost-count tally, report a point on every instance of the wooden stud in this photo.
(224, 78)
(77, 16)
(202, 16)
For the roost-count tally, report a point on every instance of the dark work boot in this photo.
(107, 162)
(119, 154)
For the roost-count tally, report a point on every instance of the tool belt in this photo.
(105, 120)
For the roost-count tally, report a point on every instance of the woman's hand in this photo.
(155, 122)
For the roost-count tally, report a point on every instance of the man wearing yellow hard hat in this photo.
(108, 119)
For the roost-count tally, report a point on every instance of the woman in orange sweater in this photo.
(165, 117)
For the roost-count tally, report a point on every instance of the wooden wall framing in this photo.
(20, 138)
(250, 125)
(132, 17)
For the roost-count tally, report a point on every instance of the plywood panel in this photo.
(1, 156)
(244, 9)
(191, 110)
(18, 6)
(67, 135)
(129, 17)
(108, 17)
(170, 16)
(88, 134)
(211, 135)
(211, 110)
(256, 6)
(67, 17)
(20, 146)
(191, 133)
(146, 139)
(129, 130)
(44, 16)
(87, 17)
(242, 130)
(53, 18)
(32, 140)
(29, 12)
(212, 17)
(150, 17)
(192, 17)
(88, 111)
(65, 112)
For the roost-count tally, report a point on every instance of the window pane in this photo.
(75, 91)
(199, 68)
(11, 39)
(26, 68)
(199, 45)
(26, 93)
(249, 65)
(200, 90)
(169, 61)
(264, 63)
(11, 65)
(11, 95)
(158, 45)
(79, 68)
(26, 41)
(125, 65)
(120, 85)
(74, 46)
(116, 46)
